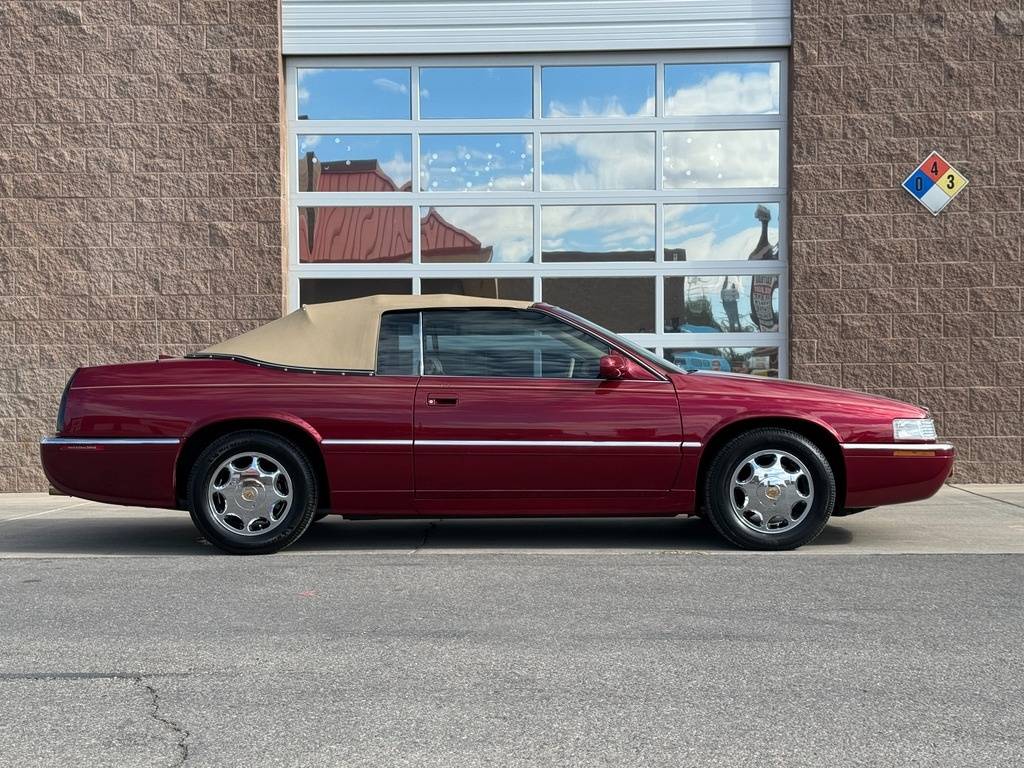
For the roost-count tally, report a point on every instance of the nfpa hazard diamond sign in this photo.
(934, 183)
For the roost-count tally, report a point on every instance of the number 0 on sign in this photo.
(934, 183)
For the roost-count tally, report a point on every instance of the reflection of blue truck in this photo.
(700, 361)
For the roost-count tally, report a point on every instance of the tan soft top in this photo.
(340, 335)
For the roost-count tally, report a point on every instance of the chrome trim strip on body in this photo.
(897, 447)
(49, 440)
(556, 443)
(366, 442)
(523, 443)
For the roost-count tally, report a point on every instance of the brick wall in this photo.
(139, 191)
(885, 296)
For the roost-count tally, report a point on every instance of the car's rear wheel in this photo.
(252, 493)
(769, 488)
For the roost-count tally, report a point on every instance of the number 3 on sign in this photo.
(952, 182)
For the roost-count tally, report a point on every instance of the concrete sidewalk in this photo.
(965, 519)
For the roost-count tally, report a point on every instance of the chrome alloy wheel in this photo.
(249, 494)
(771, 491)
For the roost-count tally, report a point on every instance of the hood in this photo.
(796, 392)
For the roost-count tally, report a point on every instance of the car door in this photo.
(510, 415)
(366, 425)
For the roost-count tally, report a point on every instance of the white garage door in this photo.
(646, 191)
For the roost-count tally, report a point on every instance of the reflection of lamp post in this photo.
(763, 287)
(763, 250)
(731, 301)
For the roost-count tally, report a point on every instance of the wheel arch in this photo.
(824, 438)
(300, 433)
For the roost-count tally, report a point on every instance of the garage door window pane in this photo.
(597, 161)
(722, 232)
(597, 233)
(512, 288)
(353, 93)
(355, 235)
(474, 234)
(620, 304)
(762, 361)
(320, 290)
(336, 163)
(722, 89)
(476, 92)
(598, 91)
(721, 159)
(476, 162)
(722, 303)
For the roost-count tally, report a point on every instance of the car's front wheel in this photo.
(769, 488)
(252, 493)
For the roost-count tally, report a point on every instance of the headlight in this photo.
(913, 429)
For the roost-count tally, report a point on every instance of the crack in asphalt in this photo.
(180, 734)
(988, 498)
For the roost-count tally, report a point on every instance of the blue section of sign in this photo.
(918, 183)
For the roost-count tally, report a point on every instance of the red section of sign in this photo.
(934, 166)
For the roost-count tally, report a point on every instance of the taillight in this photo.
(64, 403)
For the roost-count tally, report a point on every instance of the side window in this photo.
(398, 348)
(507, 343)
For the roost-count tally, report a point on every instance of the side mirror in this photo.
(613, 367)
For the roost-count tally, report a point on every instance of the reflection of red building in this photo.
(380, 233)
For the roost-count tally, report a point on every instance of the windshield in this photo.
(635, 349)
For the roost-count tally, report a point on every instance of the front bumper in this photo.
(893, 473)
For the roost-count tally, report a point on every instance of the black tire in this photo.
(289, 527)
(321, 515)
(729, 459)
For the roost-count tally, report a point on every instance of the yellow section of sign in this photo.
(951, 182)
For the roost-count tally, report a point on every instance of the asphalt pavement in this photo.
(893, 640)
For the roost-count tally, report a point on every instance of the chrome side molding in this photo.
(50, 440)
(366, 442)
(524, 443)
(896, 447)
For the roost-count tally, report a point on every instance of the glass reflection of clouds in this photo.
(503, 232)
(722, 89)
(352, 93)
(722, 303)
(597, 233)
(476, 162)
(721, 159)
(598, 91)
(476, 92)
(597, 161)
(391, 153)
(721, 232)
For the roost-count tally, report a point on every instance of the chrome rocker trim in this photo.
(366, 442)
(897, 447)
(49, 440)
(522, 443)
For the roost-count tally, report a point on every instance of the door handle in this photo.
(442, 400)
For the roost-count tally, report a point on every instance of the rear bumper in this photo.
(893, 473)
(135, 471)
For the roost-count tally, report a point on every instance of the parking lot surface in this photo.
(892, 640)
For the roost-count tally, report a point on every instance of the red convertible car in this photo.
(397, 406)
